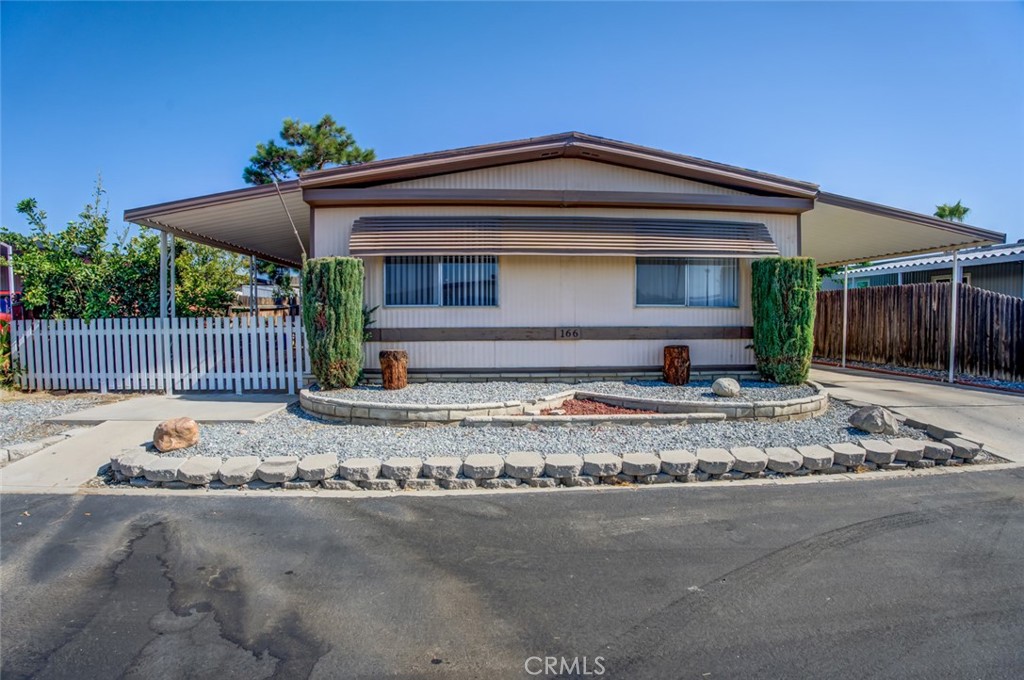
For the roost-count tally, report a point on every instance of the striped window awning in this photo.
(439, 235)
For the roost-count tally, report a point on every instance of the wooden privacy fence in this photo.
(208, 354)
(909, 326)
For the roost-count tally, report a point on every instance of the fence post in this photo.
(166, 357)
(846, 295)
(954, 287)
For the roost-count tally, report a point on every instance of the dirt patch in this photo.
(588, 407)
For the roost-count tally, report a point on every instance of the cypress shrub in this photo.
(784, 298)
(332, 313)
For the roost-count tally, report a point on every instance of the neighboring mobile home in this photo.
(566, 254)
(998, 268)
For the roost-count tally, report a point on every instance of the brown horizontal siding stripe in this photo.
(521, 333)
(571, 370)
(548, 235)
(555, 198)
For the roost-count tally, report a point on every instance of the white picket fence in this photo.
(210, 354)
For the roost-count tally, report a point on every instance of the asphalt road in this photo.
(914, 576)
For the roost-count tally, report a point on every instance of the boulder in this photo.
(875, 419)
(601, 464)
(714, 461)
(238, 470)
(678, 462)
(784, 459)
(199, 470)
(816, 457)
(176, 433)
(277, 469)
(313, 468)
(640, 464)
(442, 467)
(726, 387)
(561, 465)
(749, 459)
(524, 464)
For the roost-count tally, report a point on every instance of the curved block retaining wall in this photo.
(512, 413)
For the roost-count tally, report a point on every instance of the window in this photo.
(965, 278)
(441, 281)
(687, 282)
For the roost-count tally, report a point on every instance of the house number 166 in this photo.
(569, 334)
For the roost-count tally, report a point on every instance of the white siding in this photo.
(494, 355)
(563, 173)
(553, 291)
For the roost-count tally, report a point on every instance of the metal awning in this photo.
(842, 230)
(436, 235)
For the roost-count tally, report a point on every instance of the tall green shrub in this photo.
(784, 299)
(332, 313)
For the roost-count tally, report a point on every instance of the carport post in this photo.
(162, 307)
(954, 287)
(846, 296)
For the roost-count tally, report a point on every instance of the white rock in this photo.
(726, 387)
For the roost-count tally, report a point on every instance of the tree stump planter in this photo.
(677, 364)
(394, 368)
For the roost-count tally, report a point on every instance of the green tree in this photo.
(783, 301)
(75, 273)
(307, 146)
(956, 212)
(333, 316)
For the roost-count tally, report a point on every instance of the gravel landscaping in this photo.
(22, 416)
(483, 392)
(294, 432)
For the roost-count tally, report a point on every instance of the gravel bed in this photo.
(22, 416)
(935, 374)
(293, 432)
(481, 392)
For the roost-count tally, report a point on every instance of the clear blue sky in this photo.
(905, 104)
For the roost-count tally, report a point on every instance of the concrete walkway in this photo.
(992, 417)
(65, 466)
(202, 408)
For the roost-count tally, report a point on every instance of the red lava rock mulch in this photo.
(587, 407)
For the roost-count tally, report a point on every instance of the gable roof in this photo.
(562, 145)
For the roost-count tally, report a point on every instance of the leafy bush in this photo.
(332, 313)
(8, 369)
(784, 299)
(74, 273)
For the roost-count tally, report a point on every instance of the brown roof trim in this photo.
(555, 198)
(983, 235)
(216, 243)
(564, 145)
(135, 214)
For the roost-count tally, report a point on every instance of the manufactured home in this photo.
(566, 255)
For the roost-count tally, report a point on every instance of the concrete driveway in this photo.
(914, 577)
(995, 418)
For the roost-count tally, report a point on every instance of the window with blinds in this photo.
(687, 282)
(441, 281)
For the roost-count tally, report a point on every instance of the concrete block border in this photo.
(15, 452)
(529, 469)
(527, 413)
